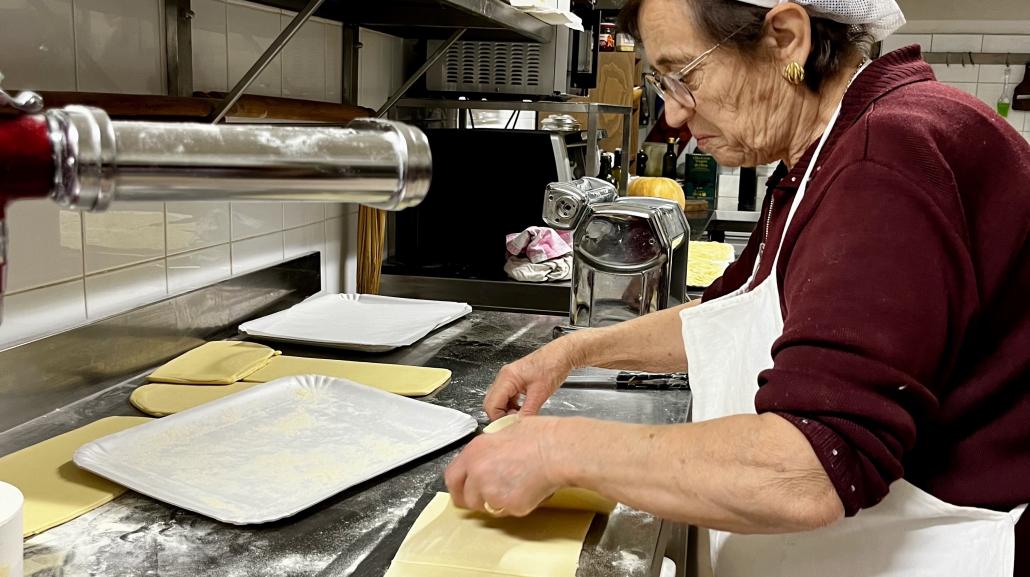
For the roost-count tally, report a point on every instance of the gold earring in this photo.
(794, 73)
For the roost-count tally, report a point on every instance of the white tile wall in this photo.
(300, 213)
(989, 93)
(39, 52)
(335, 241)
(729, 191)
(198, 268)
(902, 40)
(41, 311)
(298, 241)
(335, 210)
(996, 73)
(45, 244)
(333, 62)
(118, 46)
(956, 72)
(957, 43)
(113, 292)
(251, 219)
(126, 234)
(196, 225)
(209, 28)
(1019, 120)
(139, 253)
(251, 29)
(380, 57)
(985, 81)
(304, 60)
(257, 252)
(967, 87)
(350, 254)
(1006, 43)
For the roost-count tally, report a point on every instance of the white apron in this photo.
(909, 534)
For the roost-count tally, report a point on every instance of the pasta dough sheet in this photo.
(446, 541)
(567, 497)
(160, 399)
(56, 491)
(400, 379)
(214, 363)
(706, 261)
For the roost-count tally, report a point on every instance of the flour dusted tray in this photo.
(273, 450)
(358, 322)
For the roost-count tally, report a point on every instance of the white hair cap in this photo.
(880, 17)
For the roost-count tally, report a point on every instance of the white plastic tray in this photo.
(273, 450)
(359, 322)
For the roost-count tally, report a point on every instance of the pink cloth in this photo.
(540, 243)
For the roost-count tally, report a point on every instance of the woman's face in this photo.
(735, 117)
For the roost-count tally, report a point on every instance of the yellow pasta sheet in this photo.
(161, 399)
(214, 363)
(400, 379)
(56, 491)
(446, 541)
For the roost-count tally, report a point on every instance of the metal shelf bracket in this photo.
(270, 53)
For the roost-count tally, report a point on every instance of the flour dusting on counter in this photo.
(358, 531)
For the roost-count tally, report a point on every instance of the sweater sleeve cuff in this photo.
(841, 462)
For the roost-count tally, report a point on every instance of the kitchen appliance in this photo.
(481, 67)
(566, 203)
(486, 185)
(83, 160)
(501, 68)
(576, 145)
(630, 254)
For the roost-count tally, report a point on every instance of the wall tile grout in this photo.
(164, 223)
(47, 285)
(123, 267)
(225, 7)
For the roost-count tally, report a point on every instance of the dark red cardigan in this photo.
(905, 287)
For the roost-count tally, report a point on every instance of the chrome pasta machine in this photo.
(83, 160)
(629, 254)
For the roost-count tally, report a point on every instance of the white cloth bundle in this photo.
(880, 17)
(524, 270)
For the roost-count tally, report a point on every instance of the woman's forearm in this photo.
(649, 343)
(745, 473)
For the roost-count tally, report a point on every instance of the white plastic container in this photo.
(11, 549)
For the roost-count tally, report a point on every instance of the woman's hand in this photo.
(537, 376)
(508, 472)
(650, 343)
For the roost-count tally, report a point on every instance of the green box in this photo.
(701, 180)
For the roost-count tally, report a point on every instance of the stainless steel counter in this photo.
(356, 532)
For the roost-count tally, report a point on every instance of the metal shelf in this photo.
(454, 19)
(977, 58)
(537, 106)
(592, 110)
(482, 19)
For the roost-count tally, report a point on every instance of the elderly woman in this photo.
(861, 375)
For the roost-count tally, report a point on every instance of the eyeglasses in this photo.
(673, 85)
